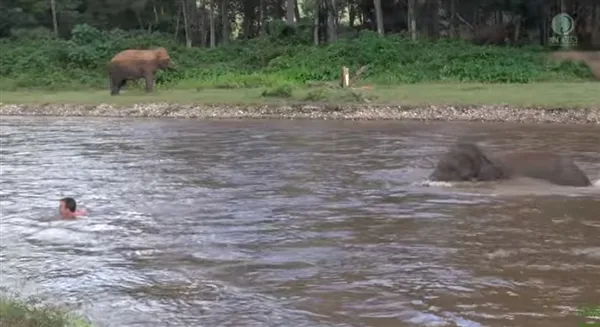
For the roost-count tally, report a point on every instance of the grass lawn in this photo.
(14, 313)
(551, 95)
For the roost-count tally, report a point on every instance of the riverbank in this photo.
(543, 103)
(16, 313)
(481, 113)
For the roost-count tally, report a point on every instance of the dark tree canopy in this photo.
(214, 22)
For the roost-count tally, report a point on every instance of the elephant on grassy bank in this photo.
(135, 64)
(467, 162)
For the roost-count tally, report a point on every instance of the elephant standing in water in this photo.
(467, 162)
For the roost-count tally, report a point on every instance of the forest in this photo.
(66, 44)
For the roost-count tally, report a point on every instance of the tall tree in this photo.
(290, 15)
(379, 16)
(54, 20)
(225, 20)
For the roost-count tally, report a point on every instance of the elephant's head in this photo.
(466, 162)
(163, 59)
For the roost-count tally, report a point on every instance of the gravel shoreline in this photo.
(484, 113)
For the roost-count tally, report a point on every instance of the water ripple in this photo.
(277, 223)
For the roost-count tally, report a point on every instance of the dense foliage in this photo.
(215, 22)
(80, 62)
(32, 313)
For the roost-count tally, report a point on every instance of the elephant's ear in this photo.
(161, 53)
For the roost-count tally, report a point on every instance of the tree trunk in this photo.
(177, 22)
(279, 10)
(211, 18)
(453, 27)
(379, 16)
(317, 13)
(250, 26)
(289, 12)
(596, 26)
(331, 28)
(442, 24)
(296, 10)
(54, 20)
(200, 22)
(156, 20)
(225, 21)
(517, 31)
(186, 24)
(542, 26)
(261, 17)
(412, 21)
(351, 15)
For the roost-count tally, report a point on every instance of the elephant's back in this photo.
(133, 55)
(557, 168)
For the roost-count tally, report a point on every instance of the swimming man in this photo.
(68, 208)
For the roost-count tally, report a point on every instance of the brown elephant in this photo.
(134, 64)
(467, 162)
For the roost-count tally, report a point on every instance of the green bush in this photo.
(80, 63)
(18, 313)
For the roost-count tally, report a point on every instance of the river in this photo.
(293, 223)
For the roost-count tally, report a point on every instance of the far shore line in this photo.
(575, 103)
(474, 113)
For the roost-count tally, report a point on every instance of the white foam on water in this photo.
(521, 186)
(60, 235)
(433, 183)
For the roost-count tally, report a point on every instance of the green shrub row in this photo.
(80, 63)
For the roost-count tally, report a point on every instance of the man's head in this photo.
(67, 205)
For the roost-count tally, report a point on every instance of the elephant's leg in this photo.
(149, 77)
(116, 83)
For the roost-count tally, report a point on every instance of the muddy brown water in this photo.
(293, 223)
